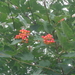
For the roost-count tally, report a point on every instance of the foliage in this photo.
(27, 54)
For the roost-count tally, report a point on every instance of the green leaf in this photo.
(3, 17)
(63, 40)
(11, 25)
(44, 63)
(27, 56)
(2, 54)
(67, 30)
(21, 19)
(36, 6)
(12, 53)
(4, 7)
(69, 55)
(39, 15)
(36, 27)
(7, 48)
(38, 38)
(38, 72)
(57, 18)
(45, 24)
(15, 2)
(65, 67)
(16, 41)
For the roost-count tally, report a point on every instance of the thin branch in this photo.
(46, 11)
(36, 65)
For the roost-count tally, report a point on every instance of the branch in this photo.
(35, 65)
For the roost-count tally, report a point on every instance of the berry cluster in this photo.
(48, 39)
(23, 35)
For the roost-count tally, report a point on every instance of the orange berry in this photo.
(17, 37)
(48, 39)
(23, 35)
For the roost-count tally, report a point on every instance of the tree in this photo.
(37, 37)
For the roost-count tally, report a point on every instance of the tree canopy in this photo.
(37, 37)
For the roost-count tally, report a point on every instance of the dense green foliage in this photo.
(40, 17)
